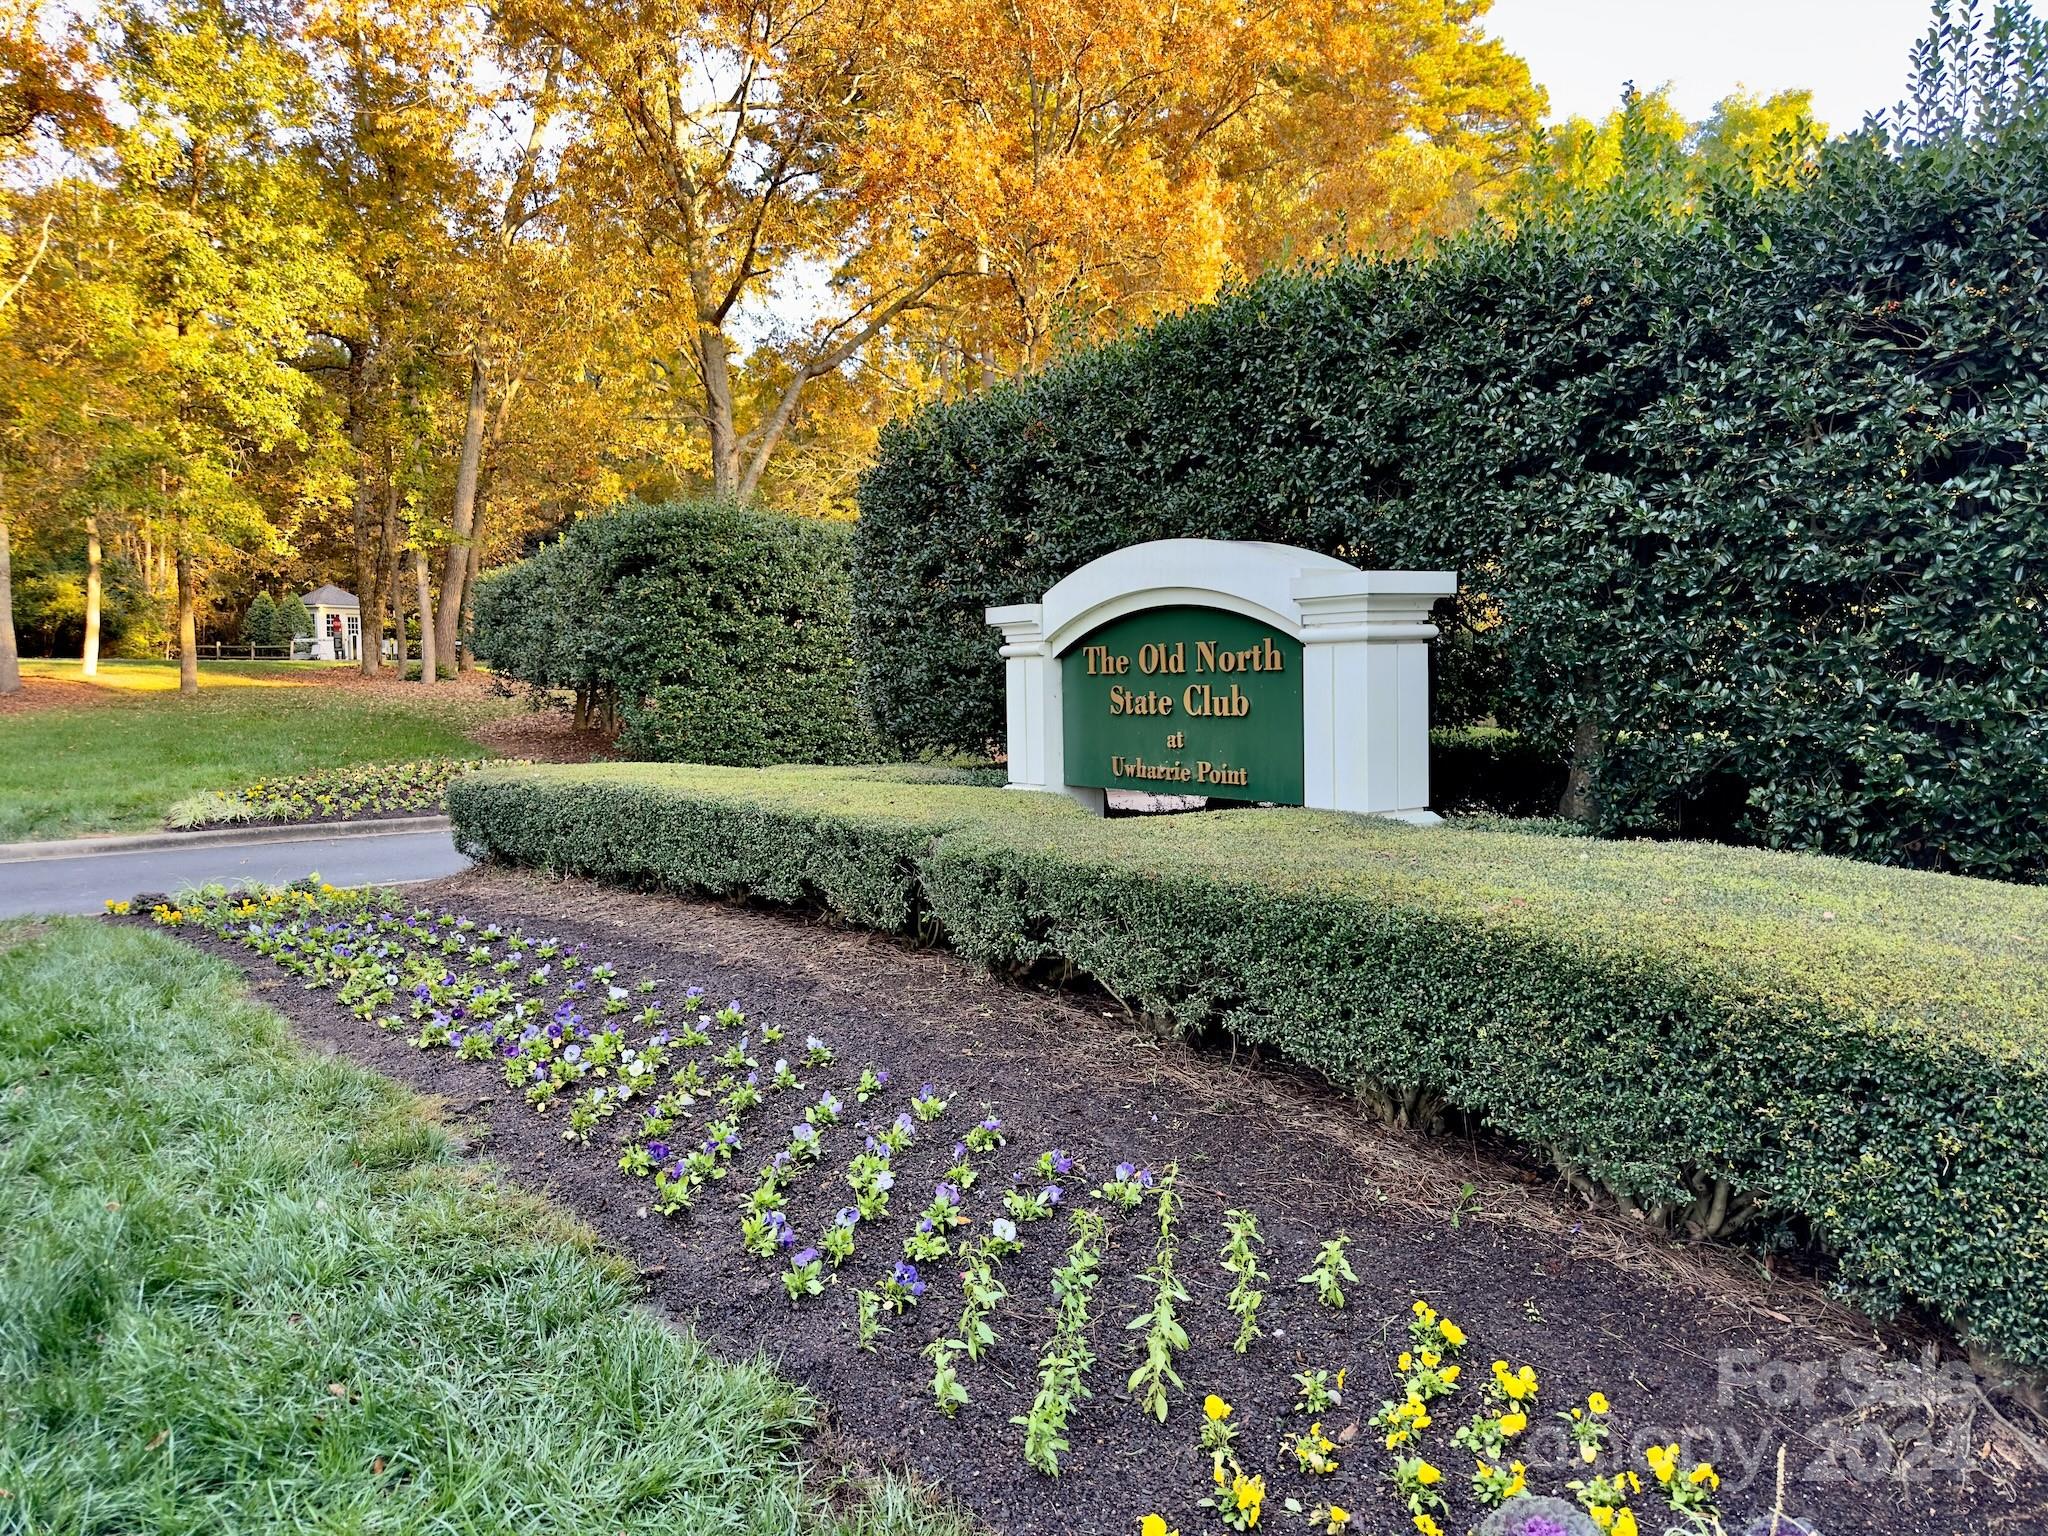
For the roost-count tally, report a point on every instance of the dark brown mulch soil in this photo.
(544, 736)
(1866, 1429)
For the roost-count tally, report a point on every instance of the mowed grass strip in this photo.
(118, 764)
(246, 1289)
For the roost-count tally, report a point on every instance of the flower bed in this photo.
(330, 794)
(1707, 1032)
(1063, 1285)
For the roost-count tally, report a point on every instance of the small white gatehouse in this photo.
(337, 624)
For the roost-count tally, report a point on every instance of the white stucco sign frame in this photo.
(1365, 659)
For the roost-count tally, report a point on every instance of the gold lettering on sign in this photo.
(1263, 657)
(1137, 768)
(1203, 701)
(1124, 702)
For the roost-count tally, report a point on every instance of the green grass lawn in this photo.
(117, 764)
(247, 1289)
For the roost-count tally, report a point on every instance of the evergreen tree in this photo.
(260, 625)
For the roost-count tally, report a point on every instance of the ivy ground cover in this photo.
(1016, 1250)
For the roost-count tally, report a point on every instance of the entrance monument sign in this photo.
(1240, 671)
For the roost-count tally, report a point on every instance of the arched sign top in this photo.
(1204, 644)
(1251, 578)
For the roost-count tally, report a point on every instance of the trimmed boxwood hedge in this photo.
(715, 634)
(1860, 1048)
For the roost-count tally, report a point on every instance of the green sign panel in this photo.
(1185, 701)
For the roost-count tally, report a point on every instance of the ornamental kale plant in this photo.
(1066, 1360)
(1241, 1261)
(1164, 1335)
(1329, 1269)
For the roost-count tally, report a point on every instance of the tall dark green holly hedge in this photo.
(715, 634)
(1747, 505)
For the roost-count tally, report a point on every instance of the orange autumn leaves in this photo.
(993, 181)
(1106, 160)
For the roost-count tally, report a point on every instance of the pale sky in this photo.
(1851, 53)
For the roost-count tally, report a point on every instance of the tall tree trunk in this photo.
(465, 658)
(188, 626)
(10, 655)
(383, 589)
(429, 663)
(714, 374)
(370, 609)
(462, 521)
(393, 583)
(89, 664)
(1577, 800)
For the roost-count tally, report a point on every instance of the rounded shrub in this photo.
(711, 633)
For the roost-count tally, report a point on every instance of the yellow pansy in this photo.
(1217, 1409)
(1250, 1493)
(1705, 1473)
(1431, 1359)
(1663, 1460)
(1624, 1523)
(1603, 1515)
(1153, 1525)
(1427, 1475)
(1597, 1402)
(1405, 1363)
(1425, 1526)
(1453, 1335)
(1514, 1423)
(1449, 1373)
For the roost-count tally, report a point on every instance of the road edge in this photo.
(158, 842)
